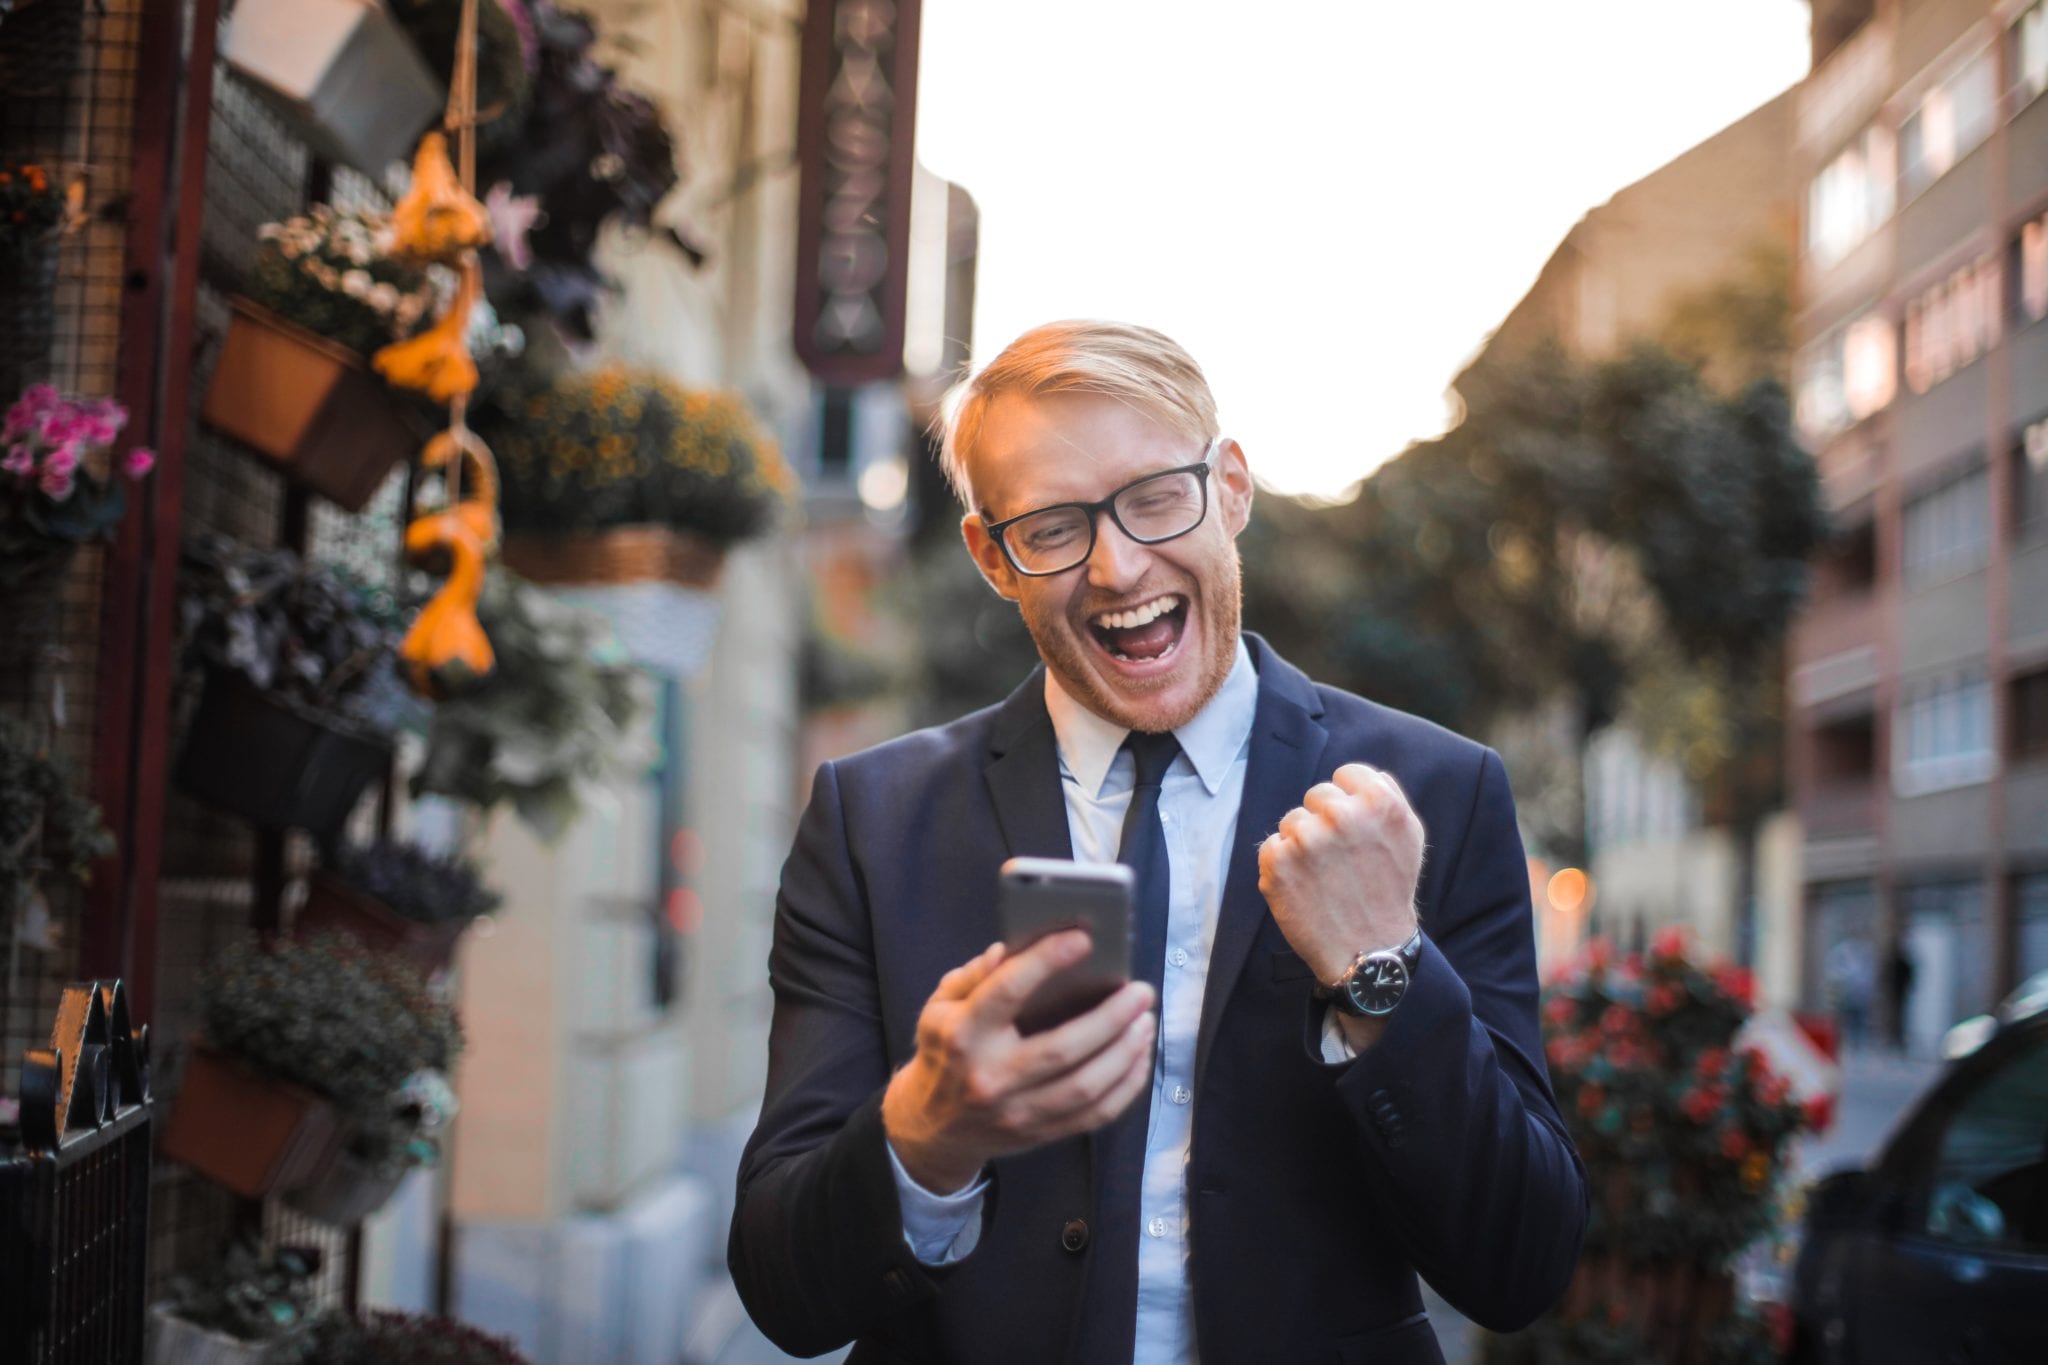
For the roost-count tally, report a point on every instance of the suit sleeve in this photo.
(817, 1249)
(1464, 1146)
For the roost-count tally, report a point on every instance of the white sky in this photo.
(1329, 202)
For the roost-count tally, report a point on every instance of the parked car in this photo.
(1938, 1251)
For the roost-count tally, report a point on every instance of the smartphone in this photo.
(1039, 896)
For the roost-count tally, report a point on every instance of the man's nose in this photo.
(1117, 561)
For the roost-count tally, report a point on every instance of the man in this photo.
(1234, 1163)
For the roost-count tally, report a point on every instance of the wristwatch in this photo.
(1377, 981)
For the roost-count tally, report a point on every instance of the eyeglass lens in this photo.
(1151, 510)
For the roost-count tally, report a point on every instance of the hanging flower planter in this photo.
(341, 72)
(174, 1341)
(332, 904)
(346, 1189)
(625, 554)
(310, 406)
(244, 1130)
(274, 762)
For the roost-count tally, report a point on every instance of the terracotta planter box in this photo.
(625, 554)
(345, 1191)
(249, 1132)
(333, 904)
(275, 763)
(311, 407)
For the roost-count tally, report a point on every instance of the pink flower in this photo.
(111, 414)
(20, 461)
(55, 485)
(40, 398)
(63, 460)
(140, 461)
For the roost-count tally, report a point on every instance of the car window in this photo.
(1990, 1182)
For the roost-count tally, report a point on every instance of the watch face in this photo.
(1378, 984)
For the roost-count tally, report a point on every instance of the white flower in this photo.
(356, 284)
(383, 297)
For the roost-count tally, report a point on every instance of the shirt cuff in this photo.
(1337, 1048)
(939, 1228)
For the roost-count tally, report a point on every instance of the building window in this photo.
(2030, 272)
(1850, 197)
(1948, 123)
(1948, 531)
(2030, 477)
(1944, 731)
(1953, 322)
(1845, 377)
(2027, 41)
(2030, 715)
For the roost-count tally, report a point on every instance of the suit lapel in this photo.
(1023, 775)
(1286, 758)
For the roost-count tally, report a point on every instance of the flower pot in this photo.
(247, 1131)
(333, 904)
(174, 1341)
(340, 72)
(624, 554)
(309, 406)
(28, 316)
(276, 763)
(346, 1190)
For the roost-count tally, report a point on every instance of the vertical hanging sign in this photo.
(854, 137)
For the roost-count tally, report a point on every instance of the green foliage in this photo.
(557, 715)
(309, 634)
(329, 273)
(414, 883)
(249, 1296)
(398, 1339)
(47, 826)
(335, 1017)
(31, 207)
(596, 449)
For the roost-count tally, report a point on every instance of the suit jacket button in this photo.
(1074, 1235)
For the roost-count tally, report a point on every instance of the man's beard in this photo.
(1220, 596)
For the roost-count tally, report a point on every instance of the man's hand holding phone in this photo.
(978, 1088)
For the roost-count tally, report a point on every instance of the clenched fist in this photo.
(1340, 874)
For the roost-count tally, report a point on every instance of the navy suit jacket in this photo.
(1315, 1193)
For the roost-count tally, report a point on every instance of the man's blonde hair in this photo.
(1145, 368)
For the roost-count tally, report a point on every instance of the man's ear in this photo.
(988, 556)
(1233, 479)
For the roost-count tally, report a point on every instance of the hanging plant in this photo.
(50, 500)
(48, 828)
(380, 1338)
(611, 447)
(557, 717)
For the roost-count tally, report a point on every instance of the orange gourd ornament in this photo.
(447, 646)
(437, 362)
(438, 220)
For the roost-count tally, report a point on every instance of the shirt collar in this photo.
(1088, 744)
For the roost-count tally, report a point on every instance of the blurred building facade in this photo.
(1720, 213)
(1919, 687)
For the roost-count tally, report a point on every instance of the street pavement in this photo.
(1877, 1087)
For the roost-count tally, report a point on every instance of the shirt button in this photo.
(1165, 817)
(1181, 1094)
(1157, 1227)
(1178, 957)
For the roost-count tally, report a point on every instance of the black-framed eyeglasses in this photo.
(1157, 508)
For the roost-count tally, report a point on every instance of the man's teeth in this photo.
(1137, 616)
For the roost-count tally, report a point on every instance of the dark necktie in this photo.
(1143, 850)
(1110, 1305)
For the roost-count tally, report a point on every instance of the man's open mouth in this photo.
(1144, 633)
